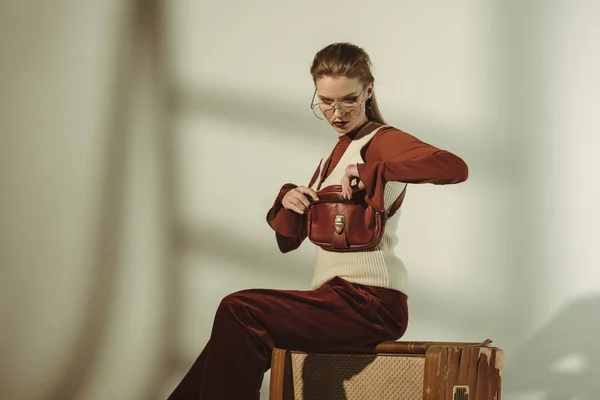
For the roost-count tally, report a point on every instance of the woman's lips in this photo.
(340, 124)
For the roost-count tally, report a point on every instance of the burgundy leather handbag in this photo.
(338, 224)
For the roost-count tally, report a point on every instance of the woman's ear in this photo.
(369, 91)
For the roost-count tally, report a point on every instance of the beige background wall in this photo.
(142, 144)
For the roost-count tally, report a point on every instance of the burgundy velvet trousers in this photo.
(339, 316)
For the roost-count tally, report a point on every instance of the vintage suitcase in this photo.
(394, 370)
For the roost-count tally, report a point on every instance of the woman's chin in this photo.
(342, 128)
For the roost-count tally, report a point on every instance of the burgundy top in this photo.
(392, 155)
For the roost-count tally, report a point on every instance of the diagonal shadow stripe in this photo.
(286, 116)
(87, 347)
(245, 250)
(489, 152)
(219, 243)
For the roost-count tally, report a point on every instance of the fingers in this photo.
(293, 204)
(300, 199)
(296, 208)
(347, 188)
(296, 203)
(347, 183)
(308, 191)
(296, 199)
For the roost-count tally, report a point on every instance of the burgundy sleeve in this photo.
(283, 221)
(289, 227)
(404, 158)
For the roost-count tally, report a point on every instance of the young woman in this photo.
(357, 299)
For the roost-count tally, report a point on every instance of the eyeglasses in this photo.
(324, 110)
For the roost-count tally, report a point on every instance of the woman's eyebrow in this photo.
(353, 94)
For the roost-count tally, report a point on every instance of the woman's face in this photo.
(342, 101)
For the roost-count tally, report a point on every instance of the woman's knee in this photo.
(234, 303)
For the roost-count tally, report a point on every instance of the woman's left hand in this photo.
(350, 173)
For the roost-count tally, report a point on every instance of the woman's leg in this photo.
(338, 316)
(189, 387)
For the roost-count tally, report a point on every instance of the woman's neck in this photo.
(354, 132)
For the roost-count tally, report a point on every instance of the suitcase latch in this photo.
(460, 392)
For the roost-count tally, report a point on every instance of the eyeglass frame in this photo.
(338, 103)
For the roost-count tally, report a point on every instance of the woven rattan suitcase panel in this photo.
(357, 377)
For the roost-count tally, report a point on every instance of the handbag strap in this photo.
(326, 162)
(396, 205)
(323, 171)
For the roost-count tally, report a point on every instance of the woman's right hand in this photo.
(296, 200)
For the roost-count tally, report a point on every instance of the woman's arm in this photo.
(394, 155)
(289, 226)
(404, 158)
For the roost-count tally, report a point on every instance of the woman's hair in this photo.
(351, 61)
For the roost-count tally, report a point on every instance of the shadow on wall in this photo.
(217, 241)
(561, 359)
(292, 117)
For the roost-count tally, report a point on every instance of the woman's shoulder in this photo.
(392, 133)
(394, 139)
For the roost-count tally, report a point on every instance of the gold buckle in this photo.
(339, 224)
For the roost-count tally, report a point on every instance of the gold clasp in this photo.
(339, 224)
